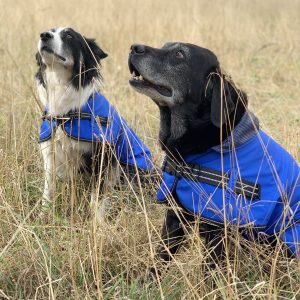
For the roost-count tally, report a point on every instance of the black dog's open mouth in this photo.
(138, 81)
(49, 50)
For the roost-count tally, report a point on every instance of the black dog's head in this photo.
(65, 48)
(186, 81)
(181, 73)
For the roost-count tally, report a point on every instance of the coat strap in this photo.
(195, 172)
(74, 115)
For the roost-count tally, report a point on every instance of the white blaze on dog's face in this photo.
(68, 69)
(67, 48)
(54, 46)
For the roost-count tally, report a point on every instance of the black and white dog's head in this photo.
(64, 47)
(68, 59)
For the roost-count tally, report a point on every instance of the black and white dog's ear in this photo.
(41, 68)
(87, 68)
(38, 59)
(96, 51)
(221, 102)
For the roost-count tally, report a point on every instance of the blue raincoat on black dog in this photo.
(98, 121)
(255, 184)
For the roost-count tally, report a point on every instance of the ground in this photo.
(64, 254)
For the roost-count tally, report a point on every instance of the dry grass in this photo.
(65, 255)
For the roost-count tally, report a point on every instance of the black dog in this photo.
(217, 159)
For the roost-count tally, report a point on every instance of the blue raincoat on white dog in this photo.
(256, 183)
(98, 121)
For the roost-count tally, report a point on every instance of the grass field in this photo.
(65, 255)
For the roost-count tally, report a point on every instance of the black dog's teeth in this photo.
(136, 75)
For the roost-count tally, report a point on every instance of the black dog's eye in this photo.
(179, 54)
(69, 36)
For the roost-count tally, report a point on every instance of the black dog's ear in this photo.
(221, 103)
(97, 52)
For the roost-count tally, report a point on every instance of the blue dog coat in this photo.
(98, 121)
(255, 184)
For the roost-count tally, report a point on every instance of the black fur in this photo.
(191, 127)
(191, 121)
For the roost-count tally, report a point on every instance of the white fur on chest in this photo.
(63, 154)
(60, 96)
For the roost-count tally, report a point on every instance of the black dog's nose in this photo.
(138, 49)
(45, 36)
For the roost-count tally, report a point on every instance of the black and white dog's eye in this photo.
(68, 36)
(179, 54)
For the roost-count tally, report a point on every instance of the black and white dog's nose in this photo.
(138, 49)
(45, 36)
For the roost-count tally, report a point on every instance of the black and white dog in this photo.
(220, 166)
(78, 121)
